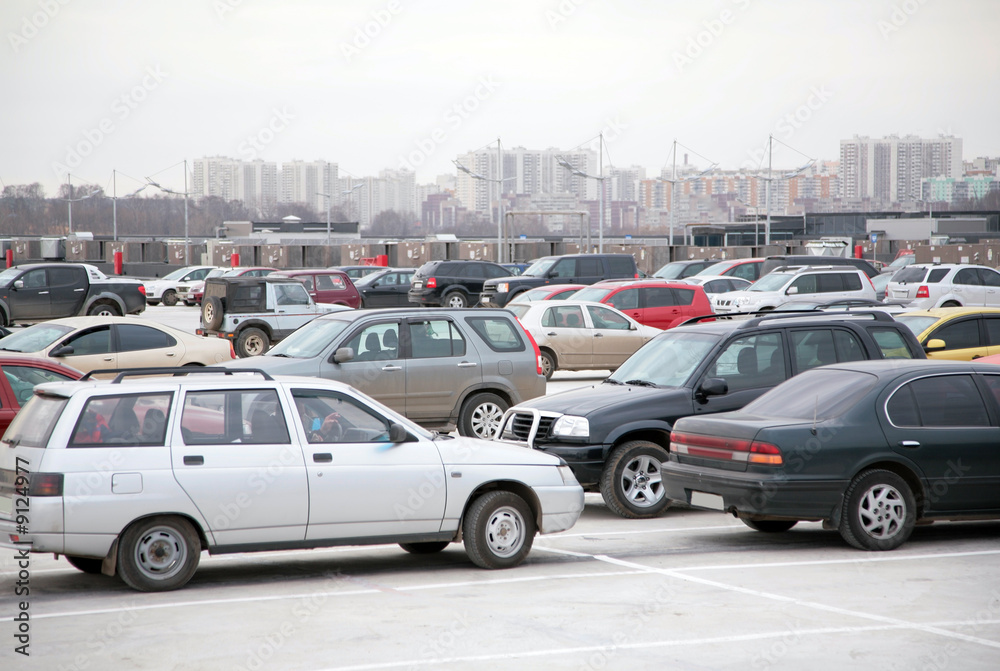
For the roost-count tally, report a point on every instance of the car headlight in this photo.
(570, 426)
(502, 287)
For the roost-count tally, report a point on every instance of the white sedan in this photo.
(581, 335)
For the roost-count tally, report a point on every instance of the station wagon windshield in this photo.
(310, 340)
(667, 360)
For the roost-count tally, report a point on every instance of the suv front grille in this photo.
(518, 425)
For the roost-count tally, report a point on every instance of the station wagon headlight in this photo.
(502, 287)
(570, 426)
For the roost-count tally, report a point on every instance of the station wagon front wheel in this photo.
(498, 530)
(158, 554)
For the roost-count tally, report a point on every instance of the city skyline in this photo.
(390, 85)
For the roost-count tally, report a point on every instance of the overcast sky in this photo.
(140, 86)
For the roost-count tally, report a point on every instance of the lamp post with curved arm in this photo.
(499, 181)
(187, 240)
(673, 182)
(71, 200)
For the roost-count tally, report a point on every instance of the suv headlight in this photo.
(502, 287)
(570, 426)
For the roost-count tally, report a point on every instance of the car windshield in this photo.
(771, 282)
(539, 267)
(34, 338)
(177, 274)
(815, 394)
(910, 274)
(671, 271)
(535, 294)
(9, 274)
(667, 360)
(368, 279)
(309, 340)
(719, 268)
(596, 294)
(916, 323)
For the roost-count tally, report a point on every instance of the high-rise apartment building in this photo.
(255, 183)
(891, 169)
(305, 181)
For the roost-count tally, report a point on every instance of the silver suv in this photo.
(136, 476)
(797, 282)
(945, 285)
(441, 367)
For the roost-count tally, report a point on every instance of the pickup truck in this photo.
(40, 291)
(255, 312)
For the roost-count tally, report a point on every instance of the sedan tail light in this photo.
(923, 292)
(729, 449)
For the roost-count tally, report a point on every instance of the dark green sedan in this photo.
(869, 448)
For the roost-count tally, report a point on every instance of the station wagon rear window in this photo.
(498, 333)
(33, 425)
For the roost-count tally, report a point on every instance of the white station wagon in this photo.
(138, 475)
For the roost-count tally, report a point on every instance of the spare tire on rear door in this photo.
(211, 312)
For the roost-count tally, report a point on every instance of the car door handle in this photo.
(80, 289)
(109, 358)
(468, 364)
(909, 443)
(171, 354)
(552, 334)
(194, 460)
(392, 368)
(598, 335)
(323, 458)
(42, 293)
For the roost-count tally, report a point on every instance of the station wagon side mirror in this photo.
(398, 433)
(343, 354)
(62, 350)
(19, 284)
(713, 386)
(935, 344)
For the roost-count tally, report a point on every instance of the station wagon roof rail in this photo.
(121, 373)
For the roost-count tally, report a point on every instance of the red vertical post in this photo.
(10, 257)
(234, 259)
(118, 263)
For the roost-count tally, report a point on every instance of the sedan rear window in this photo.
(817, 394)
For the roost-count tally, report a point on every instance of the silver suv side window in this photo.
(498, 333)
(376, 342)
(432, 338)
(223, 417)
(125, 419)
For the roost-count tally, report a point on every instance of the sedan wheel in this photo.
(632, 482)
(879, 511)
(169, 297)
(548, 365)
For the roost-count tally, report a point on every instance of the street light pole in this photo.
(187, 241)
(69, 203)
(500, 181)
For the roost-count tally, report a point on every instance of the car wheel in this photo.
(85, 564)
(548, 364)
(768, 526)
(4, 322)
(498, 530)
(211, 313)
(879, 511)
(428, 548)
(632, 481)
(252, 342)
(951, 304)
(190, 303)
(104, 309)
(455, 299)
(158, 554)
(169, 297)
(481, 415)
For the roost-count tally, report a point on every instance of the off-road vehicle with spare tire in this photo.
(255, 312)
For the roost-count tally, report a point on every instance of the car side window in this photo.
(963, 334)
(992, 330)
(291, 294)
(330, 282)
(564, 268)
(331, 417)
(63, 276)
(656, 297)
(744, 271)
(890, 343)
(848, 346)
(604, 318)
(376, 342)
(993, 384)
(498, 333)
(805, 284)
(620, 266)
(968, 276)
(94, 341)
(588, 267)
(938, 401)
(852, 282)
(813, 348)
(22, 380)
(222, 417)
(34, 279)
(627, 299)
(307, 282)
(751, 362)
(389, 280)
(989, 278)
(433, 338)
(496, 271)
(123, 419)
(829, 283)
(936, 275)
(134, 337)
(564, 316)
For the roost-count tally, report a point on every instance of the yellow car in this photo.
(960, 334)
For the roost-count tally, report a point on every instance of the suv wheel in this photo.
(481, 415)
(455, 299)
(158, 554)
(252, 342)
(498, 530)
(632, 482)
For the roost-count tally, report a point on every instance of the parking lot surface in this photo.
(687, 590)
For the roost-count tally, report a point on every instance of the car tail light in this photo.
(232, 351)
(729, 449)
(142, 289)
(923, 292)
(538, 352)
(45, 484)
(431, 283)
(765, 453)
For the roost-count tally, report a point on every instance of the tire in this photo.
(951, 304)
(481, 415)
(498, 530)
(455, 299)
(190, 303)
(158, 554)
(768, 526)
(548, 364)
(428, 548)
(152, 303)
(85, 564)
(879, 511)
(4, 322)
(211, 313)
(632, 484)
(170, 297)
(104, 309)
(252, 342)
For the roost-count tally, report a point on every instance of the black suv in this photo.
(453, 284)
(615, 435)
(567, 269)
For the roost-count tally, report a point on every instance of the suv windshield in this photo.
(539, 267)
(667, 360)
(815, 394)
(903, 261)
(910, 274)
(772, 282)
(310, 339)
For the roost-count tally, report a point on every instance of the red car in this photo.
(18, 379)
(658, 303)
(326, 285)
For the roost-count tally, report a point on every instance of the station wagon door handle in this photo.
(468, 364)
(42, 293)
(323, 458)
(392, 368)
(909, 443)
(194, 460)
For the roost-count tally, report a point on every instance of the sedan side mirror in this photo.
(343, 354)
(19, 284)
(398, 433)
(713, 386)
(935, 344)
(62, 350)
